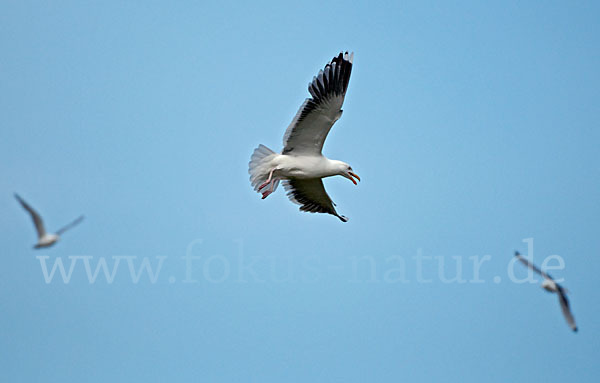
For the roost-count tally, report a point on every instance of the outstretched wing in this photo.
(74, 223)
(37, 220)
(533, 267)
(310, 194)
(309, 128)
(564, 305)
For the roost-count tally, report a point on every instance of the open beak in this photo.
(351, 174)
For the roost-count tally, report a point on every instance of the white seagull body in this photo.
(551, 286)
(301, 165)
(44, 239)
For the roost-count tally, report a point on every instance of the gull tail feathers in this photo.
(260, 166)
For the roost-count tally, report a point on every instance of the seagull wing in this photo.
(310, 194)
(533, 267)
(37, 220)
(74, 223)
(564, 305)
(309, 128)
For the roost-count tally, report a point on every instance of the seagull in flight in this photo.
(551, 286)
(301, 165)
(44, 239)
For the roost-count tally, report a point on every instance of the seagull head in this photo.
(346, 171)
(549, 285)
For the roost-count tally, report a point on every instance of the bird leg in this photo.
(268, 192)
(269, 180)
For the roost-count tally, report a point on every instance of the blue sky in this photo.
(474, 126)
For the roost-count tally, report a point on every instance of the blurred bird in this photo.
(45, 239)
(301, 165)
(551, 286)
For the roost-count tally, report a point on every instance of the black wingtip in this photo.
(20, 200)
(575, 329)
(517, 253)
(343, 218)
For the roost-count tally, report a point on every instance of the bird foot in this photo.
(262, 186)
(266, 194)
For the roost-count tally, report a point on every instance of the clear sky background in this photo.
(474, 126)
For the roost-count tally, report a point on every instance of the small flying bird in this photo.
(301, 166)
(44, 239)
(551, 286)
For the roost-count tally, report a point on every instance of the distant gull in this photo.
(550, 285)
(301, 166)
(44, 239)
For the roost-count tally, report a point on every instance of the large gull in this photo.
(301, 165)
(44, 239)
(551, 286)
